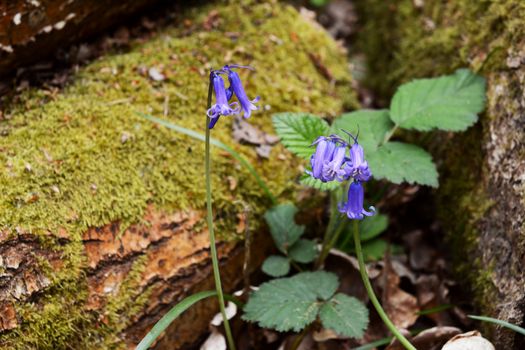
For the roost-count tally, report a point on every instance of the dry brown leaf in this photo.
(400, 306)
(429, 339)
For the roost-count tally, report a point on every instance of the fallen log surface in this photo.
(32, 30)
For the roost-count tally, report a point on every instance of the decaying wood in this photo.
(110, 255)
(30, 30)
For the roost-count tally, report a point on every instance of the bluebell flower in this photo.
(222, 96)
(328, 159)
(353, 208)
(247, 105)
(333, 170)
(356, 166)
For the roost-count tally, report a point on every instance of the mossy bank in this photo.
(481, 198)
(82, 158)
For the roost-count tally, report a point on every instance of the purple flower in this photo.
(333, 169)
(247, 105)
(328, 159)
(353, 208)
(357, 166)
(221, 106)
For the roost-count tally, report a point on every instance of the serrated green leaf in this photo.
(298, 130)
(303, 251)
(372, 125)
(292, 303)
(310, 181)
(450, 102)
(285, 232)
(401, 162)
(276, 266)
(345, 315)
(372, 226)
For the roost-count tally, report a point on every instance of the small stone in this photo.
(468, 341)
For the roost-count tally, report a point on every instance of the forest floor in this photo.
(416, 286)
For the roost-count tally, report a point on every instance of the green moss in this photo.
(403, 41)
(83, 158)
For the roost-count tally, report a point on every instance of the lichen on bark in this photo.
(481, 199)
(105, 201)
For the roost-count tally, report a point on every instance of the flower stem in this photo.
(213, 247)
(329, 229)
(371, 294)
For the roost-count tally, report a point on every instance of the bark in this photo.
(102, 224)
(43, 26)
(481, 197)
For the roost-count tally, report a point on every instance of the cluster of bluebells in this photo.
(335, 160)
(223, 95)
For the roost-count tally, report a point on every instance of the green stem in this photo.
(299, 339)
(371, 294)
(213, 247)
(389, 134)
(339, 228)
(329, 228)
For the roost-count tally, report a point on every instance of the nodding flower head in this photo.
(353, 208)
(328, 159)
(357, 166)
(221, 106)
(247, 105)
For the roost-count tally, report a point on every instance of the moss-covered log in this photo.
(481, 198)
(101, 211)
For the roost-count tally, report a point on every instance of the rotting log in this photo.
(43, 26)
(101, 212)
(481, 198)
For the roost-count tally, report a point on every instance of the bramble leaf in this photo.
(310, 181)
(303, 251)
(345, 315)
(285, 232)
(276, 266)
(290, 304)
(298, 131)
(398, 162)
(450, 102)
(371, 124)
